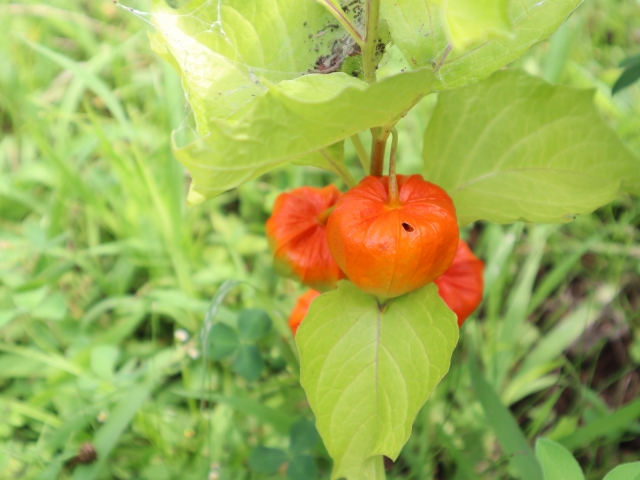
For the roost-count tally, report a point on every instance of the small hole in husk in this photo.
(407, 227)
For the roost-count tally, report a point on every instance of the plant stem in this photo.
(362, 153)
(323, 218)
(393, 181)
(373, 468)
(378, 147)
(336, 10)
(340, 169)
(372, 18)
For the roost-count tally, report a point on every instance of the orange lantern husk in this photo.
(462, 285)
(300, 310)
(388, 247)
(297, 235)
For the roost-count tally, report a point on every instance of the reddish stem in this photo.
(377, 151)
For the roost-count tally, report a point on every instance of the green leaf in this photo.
(248, 71)
(222, 342)
(470, 20)
(230, 52)
(266, 460)
(295, 118)
(511, 438)
(516, 148)
(367, 370)
(302, 467)
(253, 324)
(54, 307)
(108, 435)
(304, 436)
(103, 361)
(629, 76)
(557, 462)
(278, 419)
(90, 79)
(626, 471)
(629, 61)
(248, 363)
(418, 30)
(618, 421)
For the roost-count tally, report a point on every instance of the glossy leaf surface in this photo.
(516, 148)
(367, 370)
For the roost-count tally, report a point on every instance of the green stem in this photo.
(377, 150)
(393, 181)
(373, 468)
(336, 10)
(361, 151)
(340, 169)
(323, 218)
(372, 20)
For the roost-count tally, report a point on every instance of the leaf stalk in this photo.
(380, 136)
(372, 22)
(362, 153)
(340, 169)
(336, 10)
(393, 181)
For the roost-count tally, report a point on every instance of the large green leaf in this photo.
(229, 51)
(516, 148)
(251, 73)
(367, 370)
(470, 20)
(557, 462)
(294, 118)
(418, 29)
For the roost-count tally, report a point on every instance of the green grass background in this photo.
(106, 278)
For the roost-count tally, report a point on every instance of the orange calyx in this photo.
(388, 249)
(300, 310)
(298, 239)
(462, 285)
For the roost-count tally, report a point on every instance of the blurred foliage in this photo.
(110, 286)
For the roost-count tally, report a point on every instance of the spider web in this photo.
(230, 52)
(210, 28)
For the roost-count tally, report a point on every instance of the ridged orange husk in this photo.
(297, 235)
(461, 286)
(389, 248)
(300, 310)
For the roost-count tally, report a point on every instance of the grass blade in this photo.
(509, 435)
(93, 82)
(618, 420)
